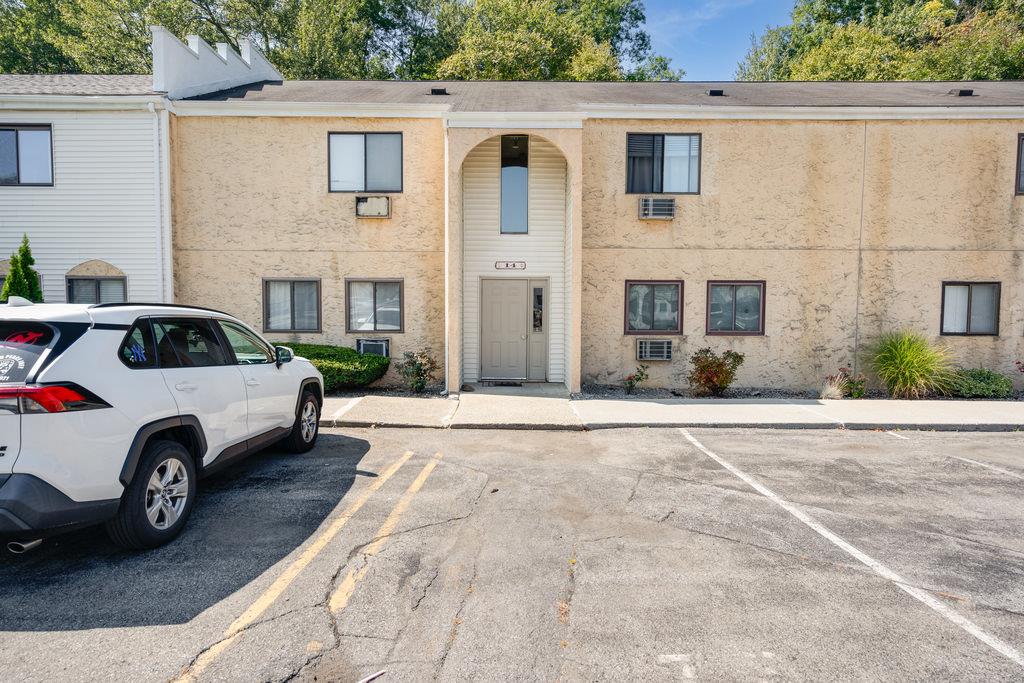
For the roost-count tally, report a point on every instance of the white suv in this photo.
(111, 412)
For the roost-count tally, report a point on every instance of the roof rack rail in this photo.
(149, 305)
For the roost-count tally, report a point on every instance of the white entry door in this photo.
(505, 329)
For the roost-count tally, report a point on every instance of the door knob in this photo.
(252, 382)
(185, 386)
(523, 337)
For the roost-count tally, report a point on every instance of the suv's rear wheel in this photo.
(307, 424)
(159, 500)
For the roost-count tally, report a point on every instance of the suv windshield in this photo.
(21, 345)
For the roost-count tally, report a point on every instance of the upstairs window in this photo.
(97, 290)
(970, 308)
(1020, 166)
(365, 162)
(26, 155)
(515, 180)
(662, 164)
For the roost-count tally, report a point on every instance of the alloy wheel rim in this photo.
(167, 494)
(308, 421)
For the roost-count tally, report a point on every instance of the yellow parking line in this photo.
(264, 601)
(341, 596)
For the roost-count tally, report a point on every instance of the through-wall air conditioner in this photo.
(373, 207)
(657, 208)
(654, 349)
(376, 347)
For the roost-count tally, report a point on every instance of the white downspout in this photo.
(161, 148)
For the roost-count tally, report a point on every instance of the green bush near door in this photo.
(341, 366)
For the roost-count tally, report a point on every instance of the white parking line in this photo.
(347, 407)
(928, 599)
(1000, 470)
(898, 436)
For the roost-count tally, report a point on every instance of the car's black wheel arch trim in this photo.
(318, 392)
(142, 437)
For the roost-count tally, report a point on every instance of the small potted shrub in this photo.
(417, 370)
(638, 377)
(712, 373)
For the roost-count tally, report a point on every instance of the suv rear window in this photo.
(21, 345)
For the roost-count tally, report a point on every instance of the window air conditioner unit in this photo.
(654, 349)
(657, 208)
(376, 347)
(373, 207)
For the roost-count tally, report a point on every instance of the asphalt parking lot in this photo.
(494, 555)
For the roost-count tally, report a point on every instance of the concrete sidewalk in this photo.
(507, 409)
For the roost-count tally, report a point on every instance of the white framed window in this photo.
(97, 290)
(291, 305)
(970, 308)
(374, 305)
(365, 162)
(26, 155)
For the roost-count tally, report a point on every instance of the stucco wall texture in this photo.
(250, 201)
(853, 225)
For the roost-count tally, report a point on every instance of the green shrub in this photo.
(909, 366)
(417, 369)
(980, 383)
(712, 374)
(341, 366)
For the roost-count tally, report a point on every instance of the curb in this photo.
(593, 426)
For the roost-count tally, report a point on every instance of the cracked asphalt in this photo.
(606, 555)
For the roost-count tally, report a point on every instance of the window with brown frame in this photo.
(1020, 166)
(374, 305)
(654, 307)
(970, 308)
(735, 307)
(291, 305)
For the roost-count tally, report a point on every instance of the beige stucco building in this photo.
(500, 226)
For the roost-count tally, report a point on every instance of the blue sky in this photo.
(709, 37)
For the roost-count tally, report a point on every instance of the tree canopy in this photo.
(307, 39)
(892, 40)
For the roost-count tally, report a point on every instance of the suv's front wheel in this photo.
(159, 500)
(307, 424)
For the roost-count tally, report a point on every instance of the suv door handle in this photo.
(252, 382)
(185, 386)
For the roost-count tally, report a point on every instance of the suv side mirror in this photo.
(283, 354)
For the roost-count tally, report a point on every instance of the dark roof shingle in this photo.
(75, 84)
(546, 96)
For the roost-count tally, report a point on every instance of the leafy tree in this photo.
(892, 39)
(409, 39)
(852, 53)
(26, 38)
(22, 279)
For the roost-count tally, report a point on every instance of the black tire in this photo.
(132, 527)
(300, 440)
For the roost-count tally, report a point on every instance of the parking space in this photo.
(657, 553)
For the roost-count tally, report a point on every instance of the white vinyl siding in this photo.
(543, 249)
(105, 202)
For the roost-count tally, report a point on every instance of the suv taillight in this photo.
(49, 398)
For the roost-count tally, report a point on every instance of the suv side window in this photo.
(188, 343)
(138, 350)
(249, 349)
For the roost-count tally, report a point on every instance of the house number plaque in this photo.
(510, 265)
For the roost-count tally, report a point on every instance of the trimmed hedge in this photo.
(341, 366)
(980, 383)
